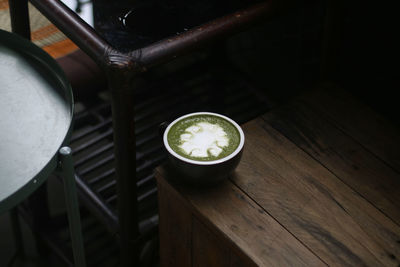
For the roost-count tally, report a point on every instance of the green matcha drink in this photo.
(203, 137)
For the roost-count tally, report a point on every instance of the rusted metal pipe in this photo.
(123, 113)
(169, 48)
(20, 18)
(98, 49)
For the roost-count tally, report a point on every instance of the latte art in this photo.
(203, 137)
(204, 140)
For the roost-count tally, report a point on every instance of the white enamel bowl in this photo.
(203, 172)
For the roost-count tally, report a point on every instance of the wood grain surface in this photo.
(245, 227)
(175, 230)
(358, 120)
(331, 219)
(208, 250)
(318, 184)
(341, 154)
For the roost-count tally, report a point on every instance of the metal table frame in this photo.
(65, 169)
(121, 69)
(57, 161)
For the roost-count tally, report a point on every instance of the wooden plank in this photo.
(338, 152)
(332, 220)
(251, 233)
(175, 230)
(359, 121)
(236, 261)
(208, 250)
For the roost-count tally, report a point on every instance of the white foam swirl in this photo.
(202, 139)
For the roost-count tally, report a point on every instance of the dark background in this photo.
(283, 54)
(369, 54)
(363, 55)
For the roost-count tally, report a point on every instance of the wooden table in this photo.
(318, 184)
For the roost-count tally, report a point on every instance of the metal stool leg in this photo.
(67, 172)
(16, 228)
(40, 214)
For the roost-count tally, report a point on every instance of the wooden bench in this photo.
(318, 184)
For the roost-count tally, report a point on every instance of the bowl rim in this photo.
(198, 162)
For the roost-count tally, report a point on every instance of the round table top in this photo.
(35, 117)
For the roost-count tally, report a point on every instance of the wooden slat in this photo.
(338, 152)
(236, 261)
(246, 228)
(207, 249)
(358, 120)
(332, 220)
(175, 230)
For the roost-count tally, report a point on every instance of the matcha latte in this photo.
(204, 137)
